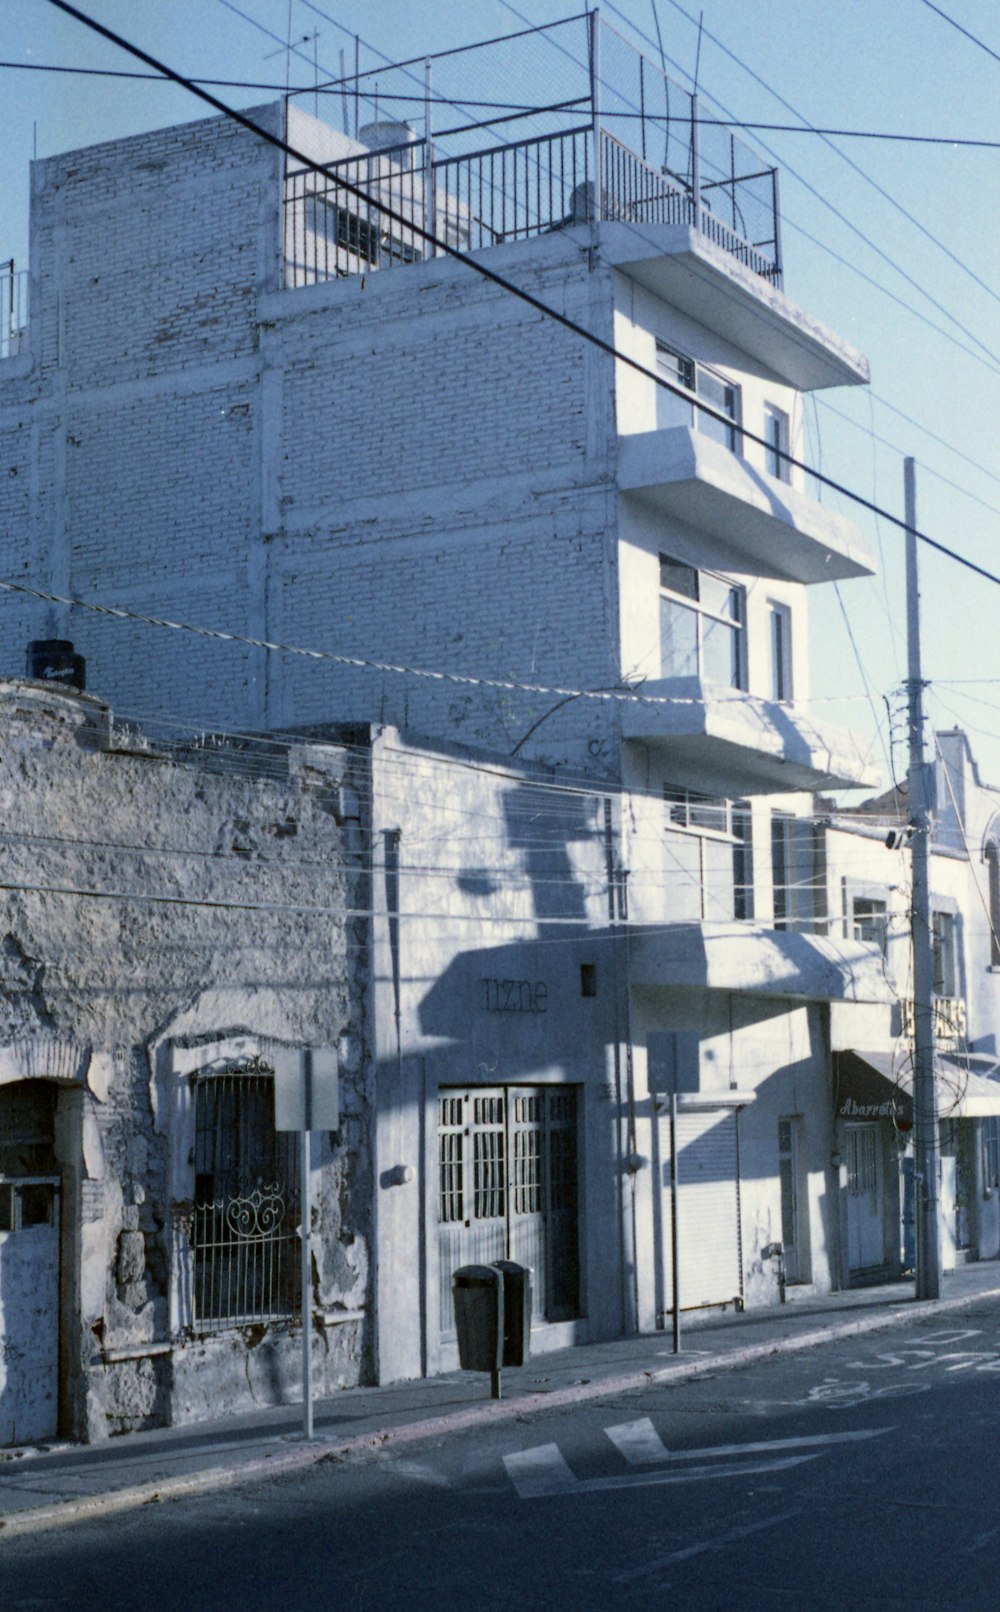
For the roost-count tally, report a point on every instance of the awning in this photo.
(878, 1084)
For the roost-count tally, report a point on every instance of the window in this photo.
(724, 869)
(870, 921)
(781, 651)
(798, 873)
(703, 383)
(244, 1246)
(992, 855)
(991, 1151)
(702, 625)
(943, 951)
(743, 906)
(776, 437)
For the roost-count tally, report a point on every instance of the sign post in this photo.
(306, 1099)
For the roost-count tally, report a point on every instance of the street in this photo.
(855, 1475)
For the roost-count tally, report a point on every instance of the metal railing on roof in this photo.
(13, 310)
(457, 187)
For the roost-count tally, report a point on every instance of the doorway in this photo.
(29, 1264)
(507, 1189)
(865, 1194)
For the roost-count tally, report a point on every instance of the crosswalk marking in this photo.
(536, 1480)
(638, 1442)
(539, 1471)
(544, 1470)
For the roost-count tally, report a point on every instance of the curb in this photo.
(65, 1512)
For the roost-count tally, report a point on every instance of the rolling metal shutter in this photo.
(710, 1254)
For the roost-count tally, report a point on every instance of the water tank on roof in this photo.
(388, 134)
(53, 660)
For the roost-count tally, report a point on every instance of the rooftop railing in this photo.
(525, 173)
(13, 309)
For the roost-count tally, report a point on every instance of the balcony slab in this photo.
(762, 962)
(738, 744)
(682, 266)
(772, 529)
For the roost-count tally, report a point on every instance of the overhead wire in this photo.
(819, 196)
(886, 195)
(955, 24)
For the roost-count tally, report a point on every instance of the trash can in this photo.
(478, 1292)
(516, 1312)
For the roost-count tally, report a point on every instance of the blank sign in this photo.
(306, 1096)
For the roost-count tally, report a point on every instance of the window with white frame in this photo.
(701, 383)
(776, 438)
(870, 921)
(943, 953)
(781, 651)
(724, 867)
(702, 625)
(798, 874)
(992, 858)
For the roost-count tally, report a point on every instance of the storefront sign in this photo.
(865, 1092)
(515, 996)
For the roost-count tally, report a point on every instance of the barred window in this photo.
(244, 1243)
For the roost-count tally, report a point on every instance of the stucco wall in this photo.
(161, 913)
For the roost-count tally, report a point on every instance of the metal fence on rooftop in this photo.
(515, 135)
(13, 309)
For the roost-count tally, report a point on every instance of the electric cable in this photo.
(973, 37)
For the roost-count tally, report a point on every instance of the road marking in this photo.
(543, 1470)
(641, 1445)
(421, 1472)
(538, 1473)
(730, 1537)
(638, 1442)
(981, 1541)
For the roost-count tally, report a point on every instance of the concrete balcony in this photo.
(692, 273)
(737, 744)
(750, 959)
(769, 528)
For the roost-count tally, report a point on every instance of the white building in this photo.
(227, 411)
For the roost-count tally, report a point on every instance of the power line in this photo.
(984, 357)
(331, 87)
(973, 37)
(824, 200)
(545, 309)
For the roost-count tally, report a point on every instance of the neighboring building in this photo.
(227, 411)
(173, 928)
(870, 890)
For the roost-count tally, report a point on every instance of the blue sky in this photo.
(918, 294)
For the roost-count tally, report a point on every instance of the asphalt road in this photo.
(858, 1475)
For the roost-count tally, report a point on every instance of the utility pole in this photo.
(925, 1118)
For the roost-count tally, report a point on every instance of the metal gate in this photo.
(709, 1233)
(508, 1190)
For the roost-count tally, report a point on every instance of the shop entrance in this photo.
(507, 1189)
(865, 1192)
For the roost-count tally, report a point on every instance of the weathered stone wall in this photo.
(160, 913)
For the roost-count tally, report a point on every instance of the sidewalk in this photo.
(53, 1485)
